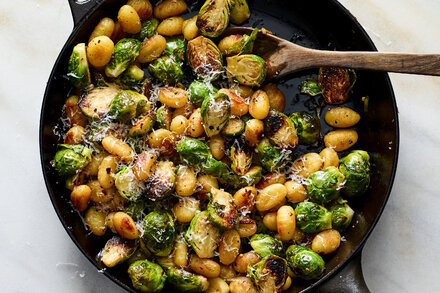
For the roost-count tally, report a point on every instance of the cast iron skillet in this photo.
(322, 24)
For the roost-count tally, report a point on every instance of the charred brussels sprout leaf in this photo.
(70, 158)
(176, 48)
(335, 83)
(356, 169)
(307, 127)
(166, 70)
(202, 235)
(213, 18)
(269, 274)
(244, 46)
(247, 69)
(142, 126)
(124, 53)
(312, 218)
(116, 250)
(148, 29)
(252, 177)
(265, 245)
(241, 157)
(128, 186)
(234, 128)
(240, 12)
(127, 105)
(96, 102)
(270, 157)
(78, 67)
(159, 233)
(161, 183)
(324, 185)
(199, 90)
(221, 210)
(215, 111)
(204, 58)
(306, 263)
(185, 281)
(164, 116)
(310, 86)
(147, 276)
(342, 214)
(135, 209)
(280, 130)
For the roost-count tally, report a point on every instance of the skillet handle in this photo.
(80, 8)
(348, 280)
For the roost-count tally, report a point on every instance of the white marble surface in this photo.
(402, 254)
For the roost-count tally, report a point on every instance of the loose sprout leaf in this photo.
(310, 86)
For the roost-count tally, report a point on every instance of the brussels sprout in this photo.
(166, 70)
(265, 245)
(147, 276)
(356, 169)
(142, 126)
(341, 215)
(202, 235)
(135, 209)
(124, 53)
(234, 128)
(164, 116)
(148, 29)
(221, 210)
(247, 69)
(159, 233)
(127, 105)
(204, 58)
(78, 68)
(307, 127)
(116, 250)
(199, 90)
(252, 177)
(75, 180)
(215, 111)
(240, 12)
(98, 79)
(132, 78)
(128, 186)
(244, 46)
(213, 18)
(70, 158)
(336, 83)
(241, 156)
(312, 218)
(304, 262)
(185, 281)
(280, 130)
(161, 183)
(324, 185)
(270, 157)
(96, 103)
(176, 48)
(269, 274)
(310, 86)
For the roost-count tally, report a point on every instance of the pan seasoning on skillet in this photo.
(192, 172)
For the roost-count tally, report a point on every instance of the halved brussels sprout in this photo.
(70, 158)
(147, 276)
(307, 127)
(265, 245)
(127, 105)
(148, 29)
(342, 214)
(161, 183)
(176, 48)
(202, 235)
(78, 68)
(96, 102)
(234, 128)
(336, 83)
(116, 250)
(166, 70)
(135, 209)
(142, 126)
(124, 53)
(304, 262)
(312, 218)
(244, 46)
(241, 157)
(199, 90)
(269, 274)
(213, 18)
(128, 186)
(205, 58)
(240, 12)
(159, 233)
(132, 78)
(221, 210)
(215, 111)
(247, 69)
(280, 130)
(356, 169)
(185, 281)
(164, 116)
(270, 157)
(252, 177)
(324, 185)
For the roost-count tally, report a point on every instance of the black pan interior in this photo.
(314, 23)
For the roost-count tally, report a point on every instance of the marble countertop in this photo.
(37, 255)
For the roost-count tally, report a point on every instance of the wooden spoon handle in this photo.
(427, 64)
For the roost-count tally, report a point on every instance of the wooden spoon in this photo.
(283, 57)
